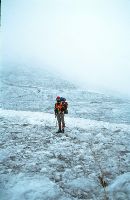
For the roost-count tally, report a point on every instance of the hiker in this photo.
(60, 110)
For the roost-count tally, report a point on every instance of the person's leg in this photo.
(63, 122)
(59, 121)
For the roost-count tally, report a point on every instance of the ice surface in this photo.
(27, 89)
(36, 163)
(120, 188)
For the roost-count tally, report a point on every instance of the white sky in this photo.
(85, 40)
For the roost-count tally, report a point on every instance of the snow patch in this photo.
(120, 188)
(25, 187)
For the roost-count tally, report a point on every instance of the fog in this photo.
(86, 41)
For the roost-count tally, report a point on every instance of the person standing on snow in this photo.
(59, 114)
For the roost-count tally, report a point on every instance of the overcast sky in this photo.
(85, 40)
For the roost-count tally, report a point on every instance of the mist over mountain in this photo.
(86, 41)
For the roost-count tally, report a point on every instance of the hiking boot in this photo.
(59, 131)
(63, 130)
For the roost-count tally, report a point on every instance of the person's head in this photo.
(58, 99)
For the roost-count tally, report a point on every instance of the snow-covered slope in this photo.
(91, 160)
(30, 89)
(37, 163)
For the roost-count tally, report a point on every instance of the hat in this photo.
(58, 98)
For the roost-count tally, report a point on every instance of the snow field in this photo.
(37, 163)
